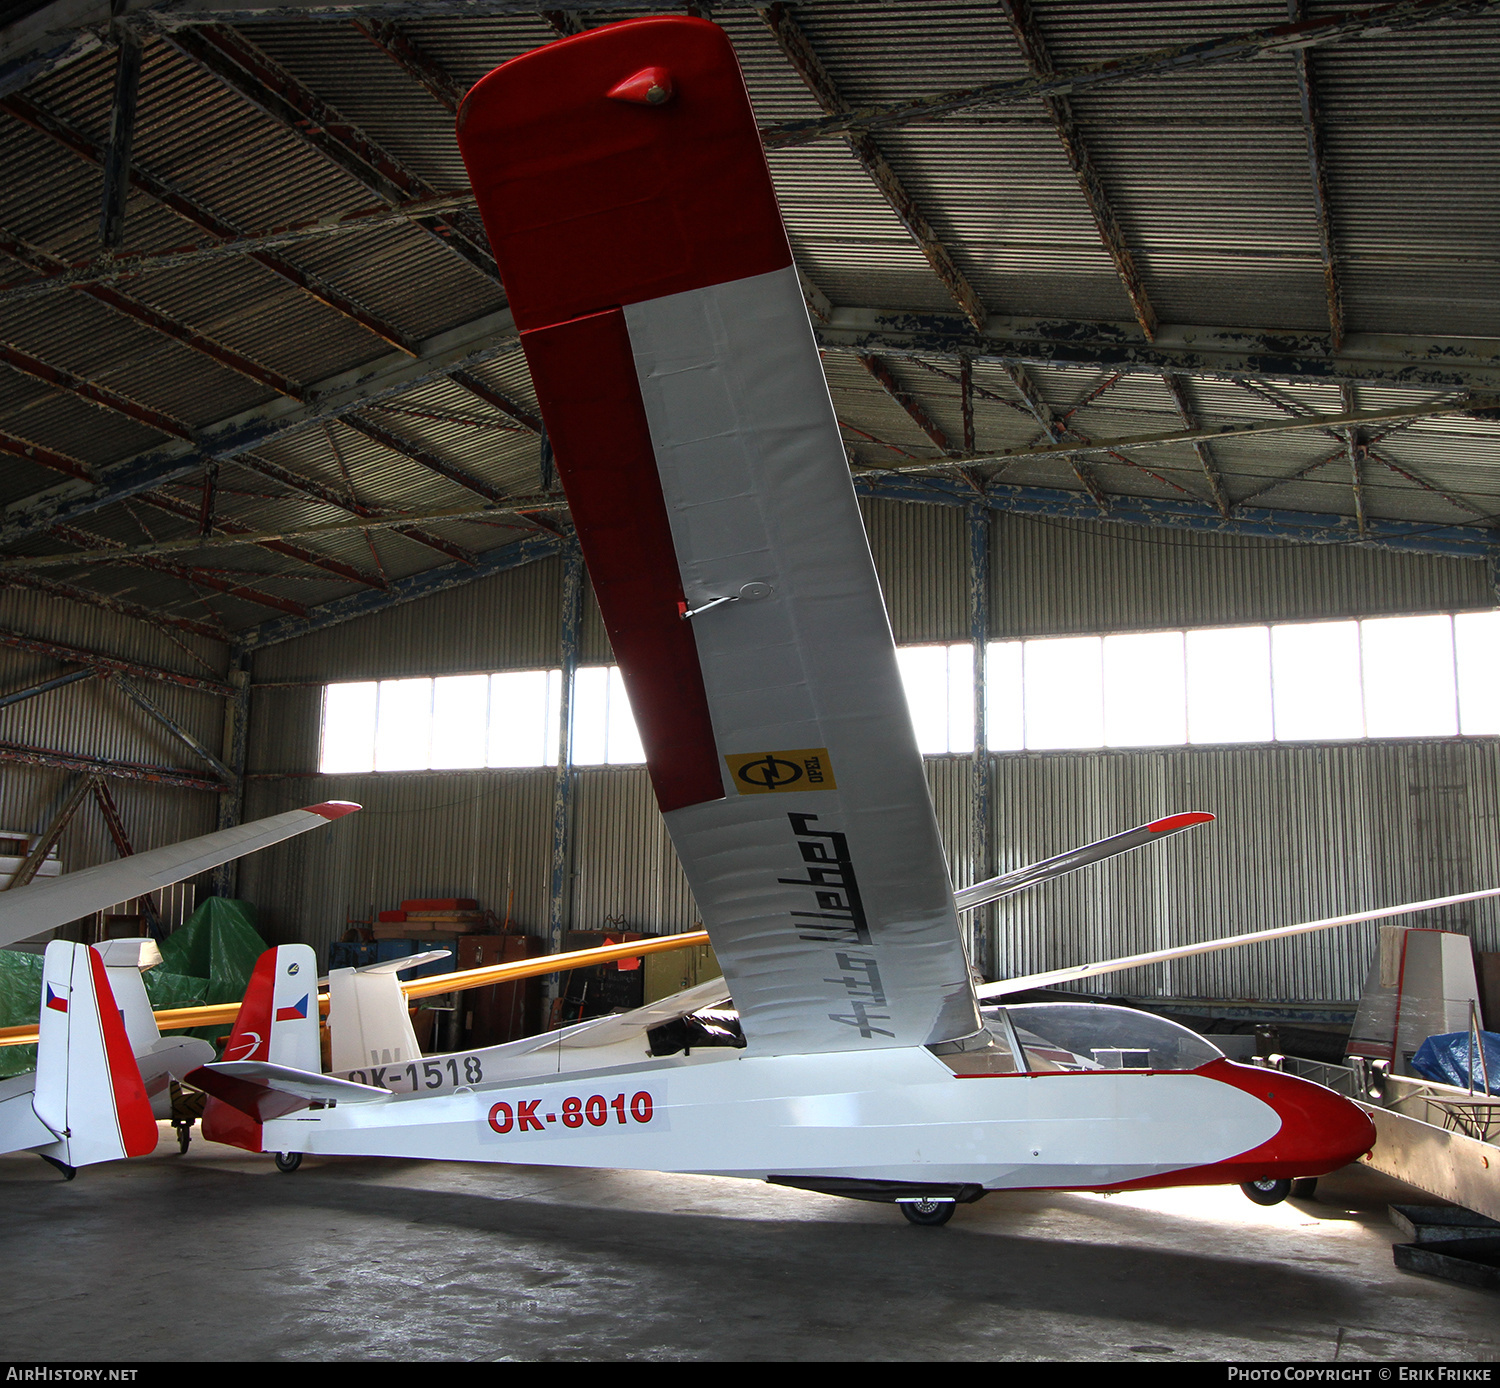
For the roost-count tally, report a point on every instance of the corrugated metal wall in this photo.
(93, 718)
(1304, 831)
(1058, 577)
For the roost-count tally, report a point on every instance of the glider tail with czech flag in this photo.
(625, 191)
(86, 1101)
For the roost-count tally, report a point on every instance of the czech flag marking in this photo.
(56, 1001)
(295, 1012)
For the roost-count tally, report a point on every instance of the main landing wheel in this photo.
(288, 1161)
(928, 1212)
(1267, 1191)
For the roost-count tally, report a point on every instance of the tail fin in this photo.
(88, 1086)
(278, 1024)
(368, 1017)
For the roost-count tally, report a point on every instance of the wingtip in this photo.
(334, 809)
(1174, 822)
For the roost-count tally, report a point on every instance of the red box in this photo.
(392, 917)
(446, 903)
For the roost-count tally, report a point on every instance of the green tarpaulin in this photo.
(208, 959)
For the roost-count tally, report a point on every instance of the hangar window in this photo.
(1432, 676)
(509, 719)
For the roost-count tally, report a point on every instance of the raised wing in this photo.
(1052, 977)
(30, 910)
(1034, 874)
(627, 198)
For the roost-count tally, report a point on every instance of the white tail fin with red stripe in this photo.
(88, 1089)
(278, 1025)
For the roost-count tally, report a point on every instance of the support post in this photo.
(236, 740)
(562, 792)
(981, 928)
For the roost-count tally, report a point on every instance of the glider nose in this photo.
(1320, 1130)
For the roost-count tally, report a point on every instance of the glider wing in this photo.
(42, 906)
(1034, 874)
(626, 195)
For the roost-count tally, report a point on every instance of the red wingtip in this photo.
(1173, 822)
(334, 809)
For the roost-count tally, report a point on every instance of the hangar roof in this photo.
(246, 293)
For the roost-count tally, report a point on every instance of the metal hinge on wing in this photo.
(751, 592)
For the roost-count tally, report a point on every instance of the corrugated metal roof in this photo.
(1206, 171)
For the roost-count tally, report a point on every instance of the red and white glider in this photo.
(625, 192)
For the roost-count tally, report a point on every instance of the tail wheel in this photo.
(928, 1212)
(1267, 1191)
(288, 1161)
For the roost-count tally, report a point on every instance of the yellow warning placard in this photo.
(760, 773)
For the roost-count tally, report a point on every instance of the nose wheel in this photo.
(288, 1161)
(1267, 1191)
(928, 1212)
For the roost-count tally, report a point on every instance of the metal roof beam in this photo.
(908, 402)
(467, 345)
(61, 379)
(164, 501)
(120, 606)
(276, 94)
(116, 188)
(421, 585)
(1033, 47)
(126, 264)
(49, 39)
(492, 397)
(167, 326)
(310, 487)
(1407, 537)
(1041, 411)
(1293, 527)
(99, 662)
(18, 755)
(1177, 389)
(1225, 353)
(1318, 169)
(48, 458)
(76, 143)
(800, 54)
(424, 458)
(1355, 451)
(1338, 26)
(193, 574)
(421, 67)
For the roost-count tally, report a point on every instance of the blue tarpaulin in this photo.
(1446, 1059)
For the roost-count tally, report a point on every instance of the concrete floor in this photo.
(218, 1256)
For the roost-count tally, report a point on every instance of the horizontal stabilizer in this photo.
(1053, 977)
(981, 893)
(412, 961)
(41, 906)
(304, 1084)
